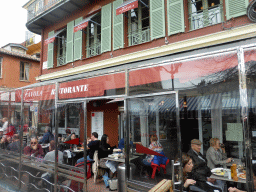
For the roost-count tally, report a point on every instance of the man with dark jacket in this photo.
(201, 172)
(48, 136)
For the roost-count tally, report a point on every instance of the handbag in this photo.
(112, 184)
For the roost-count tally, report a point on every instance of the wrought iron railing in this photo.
(139, 36)
(61, 60)
(206, 17)
(93, 49)
(38, 7)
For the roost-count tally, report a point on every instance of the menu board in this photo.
(97, 123)
(234, 132)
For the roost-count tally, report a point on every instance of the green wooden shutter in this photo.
(50, 52)
(157, 19)
(235, 8)
(118, 27)
(106, 28)
(78, 38)
(70, 40)
(175, 12)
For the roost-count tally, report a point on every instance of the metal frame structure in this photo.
(243, 97)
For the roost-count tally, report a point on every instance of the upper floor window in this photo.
(24, 71)
(1, 61)
(138, 24)
(61, 47)
(203, 13)
(93, 36)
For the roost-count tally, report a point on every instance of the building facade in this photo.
(178, 69)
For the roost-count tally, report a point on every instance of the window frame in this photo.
(139, 23)
(59, 42)
(1, 64)
(205, 14)
(23, 77)
(96, 37)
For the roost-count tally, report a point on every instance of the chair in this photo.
(159, 162)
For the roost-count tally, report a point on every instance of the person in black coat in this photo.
(104, 150)
(201, 172)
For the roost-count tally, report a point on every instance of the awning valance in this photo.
(84, 23)
(52, 38)
(126, 6)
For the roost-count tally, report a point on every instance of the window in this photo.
(61, 47)
(204, 13)
(93, 36)
(1, 60)
(138, 24)
(24, 71)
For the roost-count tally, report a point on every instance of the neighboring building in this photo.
(97, 51)
(17, 68)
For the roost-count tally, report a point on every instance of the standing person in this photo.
(200, 169)
(5, 125)
(34, 149)
(92, 145)
(47, 137)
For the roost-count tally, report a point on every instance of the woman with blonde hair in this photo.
(215, 155)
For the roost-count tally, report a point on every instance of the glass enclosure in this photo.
(158, 108)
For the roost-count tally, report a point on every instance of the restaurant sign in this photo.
(74, 89)
(81, 26)
(127, 7)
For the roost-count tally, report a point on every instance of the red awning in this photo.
(74, 89)
(84, 23)
(52, 38)
(183, 71)
(126, 6)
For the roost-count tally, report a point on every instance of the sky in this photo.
(13, 19)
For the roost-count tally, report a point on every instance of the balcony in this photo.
(41, 14)
(139, 36)
(207, 17)
(39, 6)
(93, 50)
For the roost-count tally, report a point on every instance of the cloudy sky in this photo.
(12, 19)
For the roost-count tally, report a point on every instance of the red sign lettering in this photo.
(128, 7)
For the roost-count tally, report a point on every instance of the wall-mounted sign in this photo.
(97, 123)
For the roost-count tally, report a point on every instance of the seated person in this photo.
(215, 155)
(104, 150)
(47, 137)
(155, 146)
(34, 150)
(187, 166)
(201, 171)
(15, 145)
(93, 144)
(50, 156)
(121, 143)
(68, 137)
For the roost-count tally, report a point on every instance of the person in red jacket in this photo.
(34, 150)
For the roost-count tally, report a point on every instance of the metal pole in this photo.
(21, 137)
(178, 135)
(244, 116)
(126, 127)
(56, 137)
(85, 145)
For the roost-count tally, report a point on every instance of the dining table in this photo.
(121, 159)
(226, 178)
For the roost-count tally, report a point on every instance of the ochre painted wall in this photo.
(11, 71)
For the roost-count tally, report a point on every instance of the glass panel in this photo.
(209, 99)
(10, 115)
(106, 85)
(250, 68)
(153, 125)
